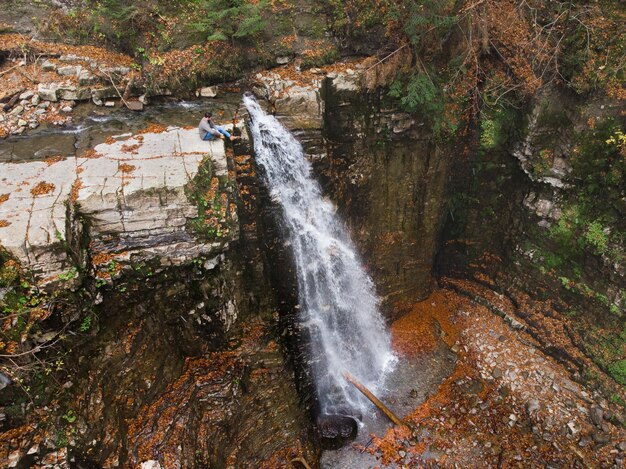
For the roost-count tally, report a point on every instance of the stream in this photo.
(91, 125)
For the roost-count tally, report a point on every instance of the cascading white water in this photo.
(338, 306)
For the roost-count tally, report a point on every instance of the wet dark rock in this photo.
(596, 414)
(335, 430)
(601, 438)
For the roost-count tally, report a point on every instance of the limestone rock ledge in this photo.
(127, 200)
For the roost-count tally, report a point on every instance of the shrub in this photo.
(596, 237)
(618, 371)
(231, 19)
(418, 94)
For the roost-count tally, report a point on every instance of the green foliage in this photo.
(596, 237)
(426, 20)
(600, 165)
(231, 19)
(71, 274)
(85, 325)
(70, 416)
(564, 232)
(488, 133)
(353, 19)
(418, 95)
(618, 371)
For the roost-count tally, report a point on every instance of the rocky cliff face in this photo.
(526, 220)
(176, 360)
(378, 164)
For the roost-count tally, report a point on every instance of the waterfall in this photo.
(338, 306)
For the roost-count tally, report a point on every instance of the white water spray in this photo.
(338, 306)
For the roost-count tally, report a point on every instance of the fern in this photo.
(232, 19)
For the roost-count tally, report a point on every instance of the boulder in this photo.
(335, 430)
(104, 93)
(72, 93)
(48, 91)
(70, 58)
(115, 70)
(48, 66)
(69, 70)
(134, 105)
(207, 92)
(86, 78)
(302, 107)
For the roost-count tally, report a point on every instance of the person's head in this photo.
(208, 115)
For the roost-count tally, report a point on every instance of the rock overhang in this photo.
(124, 201)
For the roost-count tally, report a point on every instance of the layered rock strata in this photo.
(129, 200)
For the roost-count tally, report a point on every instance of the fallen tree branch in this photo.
(300, 460)
(367, 393)
(387, 56)
(116, 89)
(26, 75)
(9, 69)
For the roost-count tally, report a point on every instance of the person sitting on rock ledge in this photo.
(209, 131)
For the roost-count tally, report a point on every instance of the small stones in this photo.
(532, 405)
(572, 428)
(109, 104)
(151, 464)
(496, 373)
(66, 109)
(13, 459)
(26, 95)
(16, 110)
(35, 100)
(33, 449)
(622, 446)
